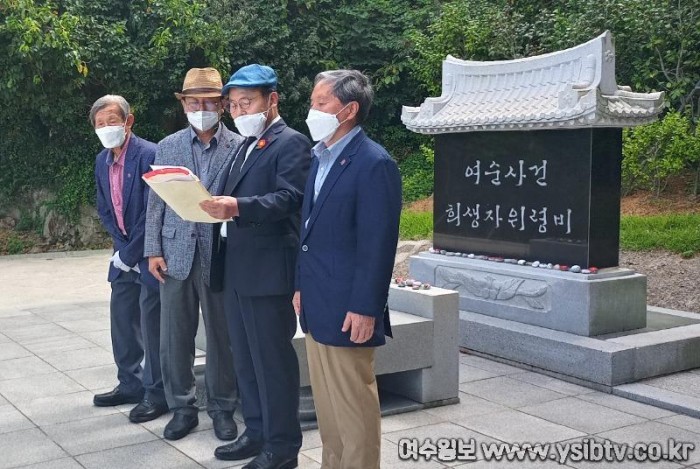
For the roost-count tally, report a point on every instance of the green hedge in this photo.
(654, 153)
(679, 233)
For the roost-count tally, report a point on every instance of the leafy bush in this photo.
(417, 174)
(29, 222)
(16, 246)
(655, 152)
(77, 189)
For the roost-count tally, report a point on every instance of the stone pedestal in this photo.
(417, 368)
(669, 344)
(613, 300)
(421, 361)
(437, 383)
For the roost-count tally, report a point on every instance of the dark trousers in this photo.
(267, 368)
(181, 300)
(135, 326)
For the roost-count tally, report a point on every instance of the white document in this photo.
(155, 167)
(182, 190)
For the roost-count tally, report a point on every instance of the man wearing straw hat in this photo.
(179, 255)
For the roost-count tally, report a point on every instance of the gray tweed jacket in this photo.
(167, 234)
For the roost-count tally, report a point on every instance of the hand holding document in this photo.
(182, 190)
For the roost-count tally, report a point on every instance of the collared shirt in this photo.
(327, 156)
(116, 183)
(201, 153)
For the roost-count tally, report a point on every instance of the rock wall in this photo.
(33, 213)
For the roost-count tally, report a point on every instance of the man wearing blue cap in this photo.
(263, 195)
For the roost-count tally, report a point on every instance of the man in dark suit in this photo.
(263, 194)
(350, 227)
(179, 254)
(122, 197)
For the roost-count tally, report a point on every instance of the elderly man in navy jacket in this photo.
(135, 303)
(349, 231)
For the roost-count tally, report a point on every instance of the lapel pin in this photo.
(342, 162)
(261, 143)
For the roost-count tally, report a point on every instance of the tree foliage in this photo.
(58, 56)
(656, 41)
(653, 153)
(657, 48)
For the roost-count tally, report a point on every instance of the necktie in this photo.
(240, 157)
(236, 166)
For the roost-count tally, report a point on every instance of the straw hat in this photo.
(201, 83)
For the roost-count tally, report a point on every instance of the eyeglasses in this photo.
(194, 104)
(242, 104)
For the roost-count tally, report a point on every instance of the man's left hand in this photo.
(222, 207)
(361, 327)
(117, 261)
(296, 302)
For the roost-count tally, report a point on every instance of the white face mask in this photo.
(112, 136)
(322, 125)
(203, 120)
(251, 125)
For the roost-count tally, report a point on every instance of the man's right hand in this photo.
(157, 267)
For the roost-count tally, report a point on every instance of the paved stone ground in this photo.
(55, 354)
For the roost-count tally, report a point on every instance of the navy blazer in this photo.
(348, 248)
(139, 156)
(259, 255)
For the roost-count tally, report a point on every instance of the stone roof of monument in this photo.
(573, 88)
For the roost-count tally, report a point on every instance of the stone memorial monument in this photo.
(527, 203)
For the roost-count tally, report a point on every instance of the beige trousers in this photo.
(347, 404)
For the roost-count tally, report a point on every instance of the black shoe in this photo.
(224, 426)
(268, 460)
(242, 448)
(180, 426)
(147, 411)
(116, 397)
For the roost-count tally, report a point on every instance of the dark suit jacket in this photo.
(348, 248)
(262, 242)
(139, 156)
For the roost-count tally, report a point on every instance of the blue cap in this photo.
(252, 76)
